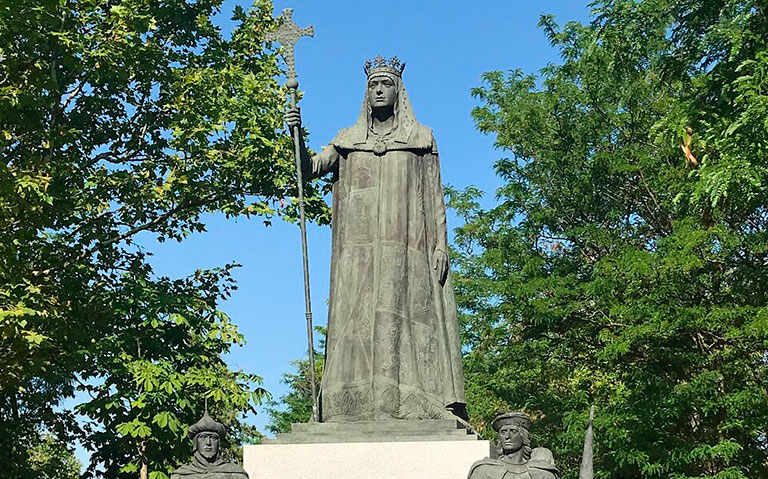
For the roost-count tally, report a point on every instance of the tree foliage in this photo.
(615, 269)
(51, 459)
(157, 368)
(122, 119)
(295, 406)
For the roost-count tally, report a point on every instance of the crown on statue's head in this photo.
(383, 65)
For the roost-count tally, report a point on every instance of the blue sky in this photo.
(447, 45)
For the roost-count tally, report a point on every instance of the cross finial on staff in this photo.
(288, 33)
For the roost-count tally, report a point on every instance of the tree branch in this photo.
(142, 227)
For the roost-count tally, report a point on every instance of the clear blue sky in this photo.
(447, 45)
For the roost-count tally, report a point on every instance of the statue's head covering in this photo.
(517, 418)
(381, 65)
(406, 132)
(207, 424)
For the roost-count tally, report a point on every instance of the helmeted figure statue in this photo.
(207, 463)
(517, 460)
(393, 348)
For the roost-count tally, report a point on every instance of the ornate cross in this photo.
(288, 34)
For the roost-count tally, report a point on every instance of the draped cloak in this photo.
(199, 468)
(501, 469)
(393, 348)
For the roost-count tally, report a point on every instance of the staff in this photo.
(288, 34)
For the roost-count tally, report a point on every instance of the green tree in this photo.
(616, 269)
(50, 459)
(156, 369)
(122, 119)
(295, 406)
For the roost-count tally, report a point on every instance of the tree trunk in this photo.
(143, 470)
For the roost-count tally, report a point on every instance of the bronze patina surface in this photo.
(207, 435)
(517, 459)
(393, 349)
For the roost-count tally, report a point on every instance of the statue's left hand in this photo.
(440, 264)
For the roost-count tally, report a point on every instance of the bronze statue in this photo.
(207, 463)
(517, 459)
(393, 349)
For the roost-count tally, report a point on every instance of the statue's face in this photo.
(382, 91)
(511, 438)
(208, 445)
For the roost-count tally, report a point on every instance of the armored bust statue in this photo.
(517, 460)
(207, 435)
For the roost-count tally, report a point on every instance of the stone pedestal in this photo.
(369, 450)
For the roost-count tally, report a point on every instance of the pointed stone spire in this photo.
(586, 471)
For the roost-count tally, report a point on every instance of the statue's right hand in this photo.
(293, 118)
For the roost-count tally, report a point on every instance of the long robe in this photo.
(393, 347)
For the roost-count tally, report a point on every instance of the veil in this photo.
(406, 133)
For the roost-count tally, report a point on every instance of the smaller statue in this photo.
(517, 460)
(207, 435)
